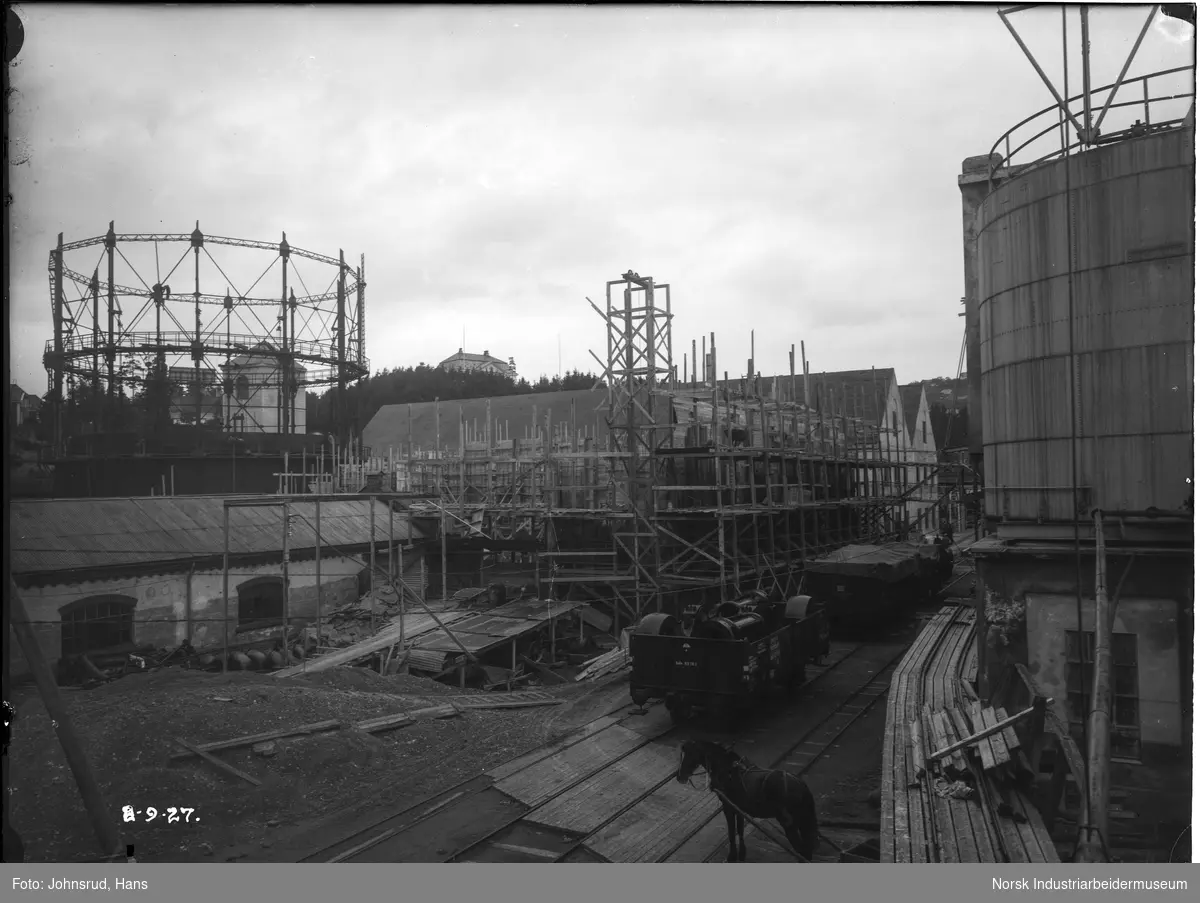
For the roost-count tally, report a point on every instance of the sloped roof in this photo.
(910, 400)
(265, 356)
(390, 425)
(15, 393)
(62, 535)
(468, 356)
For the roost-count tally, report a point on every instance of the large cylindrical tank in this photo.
(1130, 208)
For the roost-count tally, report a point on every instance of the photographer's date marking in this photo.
(173, 813)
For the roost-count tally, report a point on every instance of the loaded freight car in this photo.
(866, 584)
(726, 663)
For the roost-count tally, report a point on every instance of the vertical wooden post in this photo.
(320, 589)
(981, 627)
(103, 823)
(225, 593)
(401, 586)
(188, 602)
(1093, 844)
(287, 593)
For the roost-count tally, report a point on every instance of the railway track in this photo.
(605, 792)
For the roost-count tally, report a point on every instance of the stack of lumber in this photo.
(946, 729)
(949, 794)
(602, 665)
(412, 626)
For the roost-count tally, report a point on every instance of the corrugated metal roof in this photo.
(71, 534)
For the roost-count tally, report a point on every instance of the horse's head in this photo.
(694, 754)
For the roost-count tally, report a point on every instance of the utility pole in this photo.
(1093, 839)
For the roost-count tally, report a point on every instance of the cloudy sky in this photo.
(787, 169)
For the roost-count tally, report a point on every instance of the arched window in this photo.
(243, 388)
(96, 623)
(260, 603)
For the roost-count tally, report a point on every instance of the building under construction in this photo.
(654, 491)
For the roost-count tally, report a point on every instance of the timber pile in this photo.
(955, 778)
(609, 663)
(414, 625)
(940, 741)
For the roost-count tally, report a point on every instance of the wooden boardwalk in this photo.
(971, 806)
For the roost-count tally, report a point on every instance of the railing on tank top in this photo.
(1147, 105)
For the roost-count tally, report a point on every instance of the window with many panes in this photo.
(1126, 740)
(95, 623)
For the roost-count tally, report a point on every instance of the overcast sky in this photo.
(791, 169)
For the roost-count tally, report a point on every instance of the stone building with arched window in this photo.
(111, 576)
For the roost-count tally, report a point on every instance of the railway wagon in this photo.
(727, 663)
(867, 584)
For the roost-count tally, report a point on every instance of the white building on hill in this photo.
(485, 363)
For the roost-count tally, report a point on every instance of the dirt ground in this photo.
(128, 727)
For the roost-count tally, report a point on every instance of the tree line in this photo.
(413, 385)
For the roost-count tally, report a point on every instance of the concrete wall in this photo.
(168, 605)
(974, 185)
(1156, 623)
(1156, 603)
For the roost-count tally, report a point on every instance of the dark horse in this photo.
(758, 792)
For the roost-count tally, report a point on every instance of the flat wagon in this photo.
(865, 584)
(726, 663)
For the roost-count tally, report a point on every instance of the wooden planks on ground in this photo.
(903, 837)
(250, 739)
(654, 827)
(932, 706)
(217, 763)
(539, 782)
(588, 805)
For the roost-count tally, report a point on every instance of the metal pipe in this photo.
(1066, 149)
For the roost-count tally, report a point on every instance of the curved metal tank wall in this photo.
(1133, 206)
